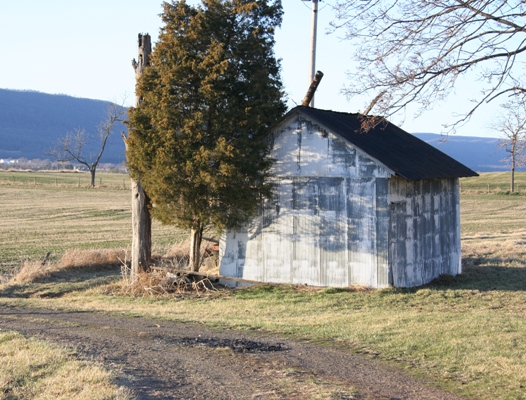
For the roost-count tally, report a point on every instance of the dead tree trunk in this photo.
(141, 228)
(141, 219)
(196, 238)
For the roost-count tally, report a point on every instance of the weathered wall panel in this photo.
(304, 149)
(321, 230)
(362, 231)
(424, 231)
(325, 235)
(276, 261)
(382, 233)
(341, 218)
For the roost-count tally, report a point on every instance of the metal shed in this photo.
(375, 208)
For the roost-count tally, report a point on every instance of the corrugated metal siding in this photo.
(361, 219)
(424, 233)
(400, 151)
(341, 218)
(304, 149)
(325, 234)
(382, 232)
(321, 228)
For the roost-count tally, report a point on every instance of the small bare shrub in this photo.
(76, 258)
(31, 271)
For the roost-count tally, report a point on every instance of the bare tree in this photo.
(512, 127)
(72, 146)
(413, 51)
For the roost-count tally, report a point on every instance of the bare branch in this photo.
(373, 103)
(114, 114)
(415, 50)
(71, 146)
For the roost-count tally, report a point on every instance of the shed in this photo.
(375, 207)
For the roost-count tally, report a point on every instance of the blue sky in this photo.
(85, 48)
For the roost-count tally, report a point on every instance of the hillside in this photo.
(481, 154)
(32, 122)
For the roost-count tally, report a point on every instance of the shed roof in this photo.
(403, 153)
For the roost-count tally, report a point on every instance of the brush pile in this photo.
(161, 280)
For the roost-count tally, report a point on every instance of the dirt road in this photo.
(172, 360)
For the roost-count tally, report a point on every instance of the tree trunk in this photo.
(142, 230)
(141, 220)
(92, 175)
(512, 183)
(196, 237)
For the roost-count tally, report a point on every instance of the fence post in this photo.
(488, 188)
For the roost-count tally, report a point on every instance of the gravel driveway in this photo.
(173, 360)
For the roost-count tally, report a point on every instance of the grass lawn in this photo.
(466, 334)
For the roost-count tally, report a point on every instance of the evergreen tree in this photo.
(199, 139)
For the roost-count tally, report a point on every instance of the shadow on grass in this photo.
(485, 274)
(59, 283)
(490, 278)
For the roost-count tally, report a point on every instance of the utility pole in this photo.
(314, 30)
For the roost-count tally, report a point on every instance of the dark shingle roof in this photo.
(403, 153)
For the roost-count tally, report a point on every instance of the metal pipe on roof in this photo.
(308, 100)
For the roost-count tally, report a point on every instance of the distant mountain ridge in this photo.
(481, 154)
(32, 122)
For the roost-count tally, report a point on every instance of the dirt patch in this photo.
(173, 360)
(236, 345)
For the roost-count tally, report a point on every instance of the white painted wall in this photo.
(340, 216)
(321, 227)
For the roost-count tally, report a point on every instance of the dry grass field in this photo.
(466, 333)
(53, 217)
(494, 182)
